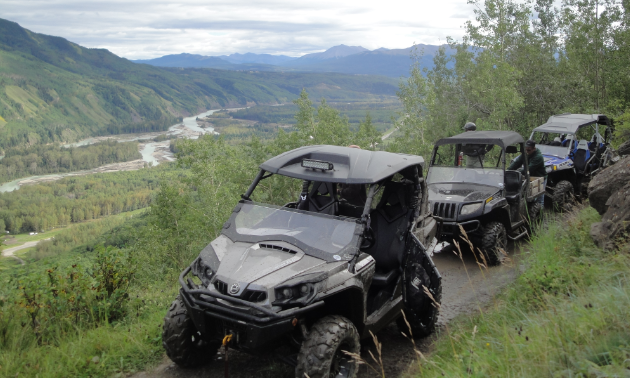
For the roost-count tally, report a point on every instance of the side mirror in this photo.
(511, 150)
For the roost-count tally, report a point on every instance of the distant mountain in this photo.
(354, 60)
(334, 52)
(386, 62)
(53, 90)
(257, 58)
(187, 60)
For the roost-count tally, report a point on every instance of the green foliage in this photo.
(622, 129)
(565, 315)
(518, 64)
(47, 303)
(77, 199)
(43, 159)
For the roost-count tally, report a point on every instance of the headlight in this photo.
(470, 208)
(301, 294)
(300, 290)
(548, 168)
(203, 271)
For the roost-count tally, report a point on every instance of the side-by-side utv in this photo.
(470, 189)
(315, 275)
(575, 147)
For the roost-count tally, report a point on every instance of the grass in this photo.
(565, 316)
(19, 239)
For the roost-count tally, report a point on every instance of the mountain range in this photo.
(354, 60)
(53, 90)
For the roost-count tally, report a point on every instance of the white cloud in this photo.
(148, 29)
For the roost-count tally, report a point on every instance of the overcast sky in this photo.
(144, 29)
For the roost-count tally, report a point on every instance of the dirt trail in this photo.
(9, 252)
(465, 289)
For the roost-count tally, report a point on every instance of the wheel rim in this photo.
(342, 364)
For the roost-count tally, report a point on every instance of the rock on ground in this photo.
(608, 182)
(615, 221)
(624, 149)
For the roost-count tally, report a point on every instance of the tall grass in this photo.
(566, 315)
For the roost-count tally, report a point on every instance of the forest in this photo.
(518, 64)
(38, 208)
(53, 158)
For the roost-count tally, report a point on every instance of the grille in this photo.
(221, 287)
(248, 295)
(444, 210)
(277, 247)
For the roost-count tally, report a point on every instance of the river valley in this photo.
(153, 153)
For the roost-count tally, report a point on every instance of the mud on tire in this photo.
(494, 238)
(321, 353)
(181, 341)
(420, 312)
(563, 196)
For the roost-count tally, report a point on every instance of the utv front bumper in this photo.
(454, 229)
(251, 328)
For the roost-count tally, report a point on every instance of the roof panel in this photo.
(351, 165)
(570, 123)
(500, 138)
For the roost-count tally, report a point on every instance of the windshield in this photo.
(325, 233)
(480, 176)
(555, 144)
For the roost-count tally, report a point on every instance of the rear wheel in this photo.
(321, 355)
(563, 196)
(420, 311)
(181, 340)
(494, 242)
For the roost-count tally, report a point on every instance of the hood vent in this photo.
(277, 247)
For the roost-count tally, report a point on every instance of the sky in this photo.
(145, 29)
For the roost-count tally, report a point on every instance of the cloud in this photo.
(145, 29)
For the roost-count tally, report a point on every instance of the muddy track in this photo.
(467, 288)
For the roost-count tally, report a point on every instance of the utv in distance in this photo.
(469, 187)
(574, 151)
(315, 275)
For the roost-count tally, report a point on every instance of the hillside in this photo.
(54, 90)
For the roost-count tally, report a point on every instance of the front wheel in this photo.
(563, 196)
(181, 340)
(494, 242)
(321, 355)
(534, 214)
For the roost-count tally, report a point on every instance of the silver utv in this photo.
(315, 276)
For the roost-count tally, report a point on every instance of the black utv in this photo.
(316, 275)
(470, 189)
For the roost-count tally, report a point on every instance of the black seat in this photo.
(512, 185)
(389, 223)
(323, 198)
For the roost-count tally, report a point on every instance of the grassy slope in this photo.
(52, 89)
(566, 315)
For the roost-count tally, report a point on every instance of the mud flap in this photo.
(419, 272)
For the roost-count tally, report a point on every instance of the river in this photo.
(190, 129)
